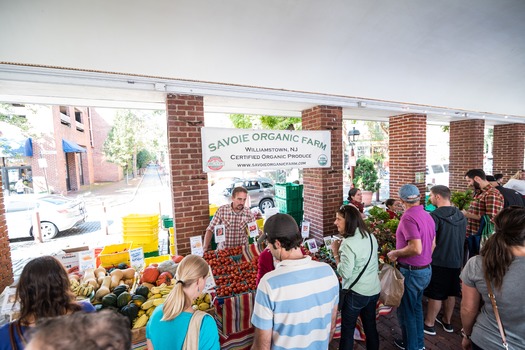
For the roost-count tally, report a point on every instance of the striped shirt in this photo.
(296, 301)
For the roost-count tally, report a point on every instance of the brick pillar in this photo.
(6, 272)
(189, 184)
(466, 150)
(407, 152)
(323, 186)
(508, 150)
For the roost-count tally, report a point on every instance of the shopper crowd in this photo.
(297, 299)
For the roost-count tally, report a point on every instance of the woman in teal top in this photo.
(175, 325)
(351, 256)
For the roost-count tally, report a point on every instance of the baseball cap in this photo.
(409, 193)
(279, 225)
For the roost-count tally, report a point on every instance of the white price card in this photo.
(210, 283)
(312, 245)
(136, 258)
(220, 233)
(253, 229)
(86, 260)
(305, 229)
(196, 245)
(328, 242)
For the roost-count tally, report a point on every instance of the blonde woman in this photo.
(175, 325)
(517, 182)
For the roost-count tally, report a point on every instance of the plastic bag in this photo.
(392, 285)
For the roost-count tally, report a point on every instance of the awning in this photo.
(12, 148)
(72, 147)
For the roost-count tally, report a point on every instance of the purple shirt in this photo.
(416, 223)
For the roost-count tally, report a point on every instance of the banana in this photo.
(156, 296)
(141, 321)
(165, 291)
(150, 310)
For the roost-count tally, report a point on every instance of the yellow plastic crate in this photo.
(132, 227)
(115, 254)
(142, 238)
(141, 219)
(260, 223)
(156, 259)
(147, 247)
(173, 249)
(213, 209)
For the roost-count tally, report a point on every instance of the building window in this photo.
(78, 116)
(64, 116)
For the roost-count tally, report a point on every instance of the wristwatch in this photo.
(465, 335)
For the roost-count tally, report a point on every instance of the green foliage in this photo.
(144, 157)
(123, 139)
(384, 229)
(377, 213)
(243, 121)
(365, 175)
(392, 225)
(461, 199)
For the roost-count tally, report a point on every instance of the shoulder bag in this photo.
(191, 341)
(344, 292)
(496, 313)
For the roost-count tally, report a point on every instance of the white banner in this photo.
(242, 149)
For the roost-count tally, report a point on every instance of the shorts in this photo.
(444, 283)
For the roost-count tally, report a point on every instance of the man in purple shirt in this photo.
(415, 242)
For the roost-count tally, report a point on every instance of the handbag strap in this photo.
(496, 313)
(364, 268)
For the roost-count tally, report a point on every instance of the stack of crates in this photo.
(289, 200)
(142, 230)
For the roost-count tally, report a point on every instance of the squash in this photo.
(104, 288)
(89, 277)
(120, 289)
(116, 276)
(142, 290)
(109, 300)
(123, 299)
(100, 273)
(131, 311)
(150, 274)
(128, 273)
(138, 299)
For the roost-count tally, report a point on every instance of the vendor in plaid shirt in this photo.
(487, 200)
(235, 218)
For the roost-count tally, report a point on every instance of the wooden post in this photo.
(37, 231)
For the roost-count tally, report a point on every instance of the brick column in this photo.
(189, 184)
(6, 272)
(323, 187)
(466, 150)
(508, 150)
(407, 152)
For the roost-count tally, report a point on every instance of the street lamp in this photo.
(352, 134)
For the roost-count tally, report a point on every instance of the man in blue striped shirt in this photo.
(296, 304)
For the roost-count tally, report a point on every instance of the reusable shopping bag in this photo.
(392, 285)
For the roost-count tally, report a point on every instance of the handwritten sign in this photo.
(86, 260)
(196, 245)
(312, 245)
(253, 229)
(136, 258)
(219, 232)
(305, 229)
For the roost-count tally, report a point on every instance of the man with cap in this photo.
(415, 242)
(296, 304)
(510, 196)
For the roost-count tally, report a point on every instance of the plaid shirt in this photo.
(489, 201)
(235, 225)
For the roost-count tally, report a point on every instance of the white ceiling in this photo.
(443, 58)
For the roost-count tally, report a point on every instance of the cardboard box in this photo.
(70, 257)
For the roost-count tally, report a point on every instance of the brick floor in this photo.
(388, 329)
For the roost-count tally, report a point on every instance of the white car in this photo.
(437, 174)
(57, 213)
(260, 189)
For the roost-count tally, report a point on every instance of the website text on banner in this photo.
(242, 149)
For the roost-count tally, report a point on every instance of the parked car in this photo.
(437, 174)
(57, 213)
(260, 189)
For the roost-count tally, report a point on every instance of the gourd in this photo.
(109, 300)
(131, 311)
(138, 299)
(104, 288)
(128, 273)
(100, 273)
(120, 289)
(123, 299)
(116, 276)
(142, 290)
(89, 277)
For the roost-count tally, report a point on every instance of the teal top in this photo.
(170, 335)
(353, 254)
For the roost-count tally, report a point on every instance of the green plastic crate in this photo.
(288, 205)
(167, 222)
(289, 191)
(151, 254)
(298, 217)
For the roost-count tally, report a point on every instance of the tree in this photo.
(244, 121)
(121, 144)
